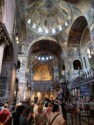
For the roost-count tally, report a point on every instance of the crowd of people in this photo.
(43, 112)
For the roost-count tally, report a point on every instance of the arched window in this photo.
(90, 55)
(63, 67)
(77, 65)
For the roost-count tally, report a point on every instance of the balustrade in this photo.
(41, 85)
(84, 78)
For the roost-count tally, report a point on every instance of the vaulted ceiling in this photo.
(81, 14)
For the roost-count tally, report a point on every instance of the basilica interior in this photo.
(46, 49)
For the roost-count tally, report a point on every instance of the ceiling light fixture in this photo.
(29, 21)
(60, 28)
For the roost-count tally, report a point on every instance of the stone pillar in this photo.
(30, 82)
(1, 56)
(12, 84)
(56, 73)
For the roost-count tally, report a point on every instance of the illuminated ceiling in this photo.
(49, 17)
(44, 14)
(42, 73)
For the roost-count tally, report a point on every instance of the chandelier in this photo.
(48, 17)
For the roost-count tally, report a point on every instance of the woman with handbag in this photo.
(56, 118)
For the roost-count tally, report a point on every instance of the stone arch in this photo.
(8, 54)
(45, 45)
(85, 39)
(75, 35)
(41, 38)
(47, 56)
(77, 65)
(84, 42)
(76, 30)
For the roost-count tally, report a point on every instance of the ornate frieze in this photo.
(4, 38)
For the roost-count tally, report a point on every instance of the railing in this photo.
(41, 85)
(79, 118)
(87, 119)
(84, 78)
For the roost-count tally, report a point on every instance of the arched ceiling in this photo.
(44, 58)
(48, 17)
(76, 30)
(45, 51)
(85, 38)
(72, 1)
(24, 4)
(46, 45)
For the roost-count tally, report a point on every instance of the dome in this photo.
(48, 17)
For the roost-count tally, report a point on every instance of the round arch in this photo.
(40, 38)
(44, 57)
(45, 45)
(76, 30)
(77, 64)
(85, 39)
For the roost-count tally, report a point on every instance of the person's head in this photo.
(17, 105)
(6, 105)
(27, 100)
(50, 104)
(40, 109)
(55, 108)
(13, 104)
(20, 109)
(62, 101)
(56, 100)
(42, 102)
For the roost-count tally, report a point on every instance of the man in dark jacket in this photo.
(26, 117)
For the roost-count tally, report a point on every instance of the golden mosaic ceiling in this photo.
(42, 73)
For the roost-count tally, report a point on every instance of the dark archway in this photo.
(8, 53)
(77, 65)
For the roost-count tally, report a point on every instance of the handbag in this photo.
(53, 119)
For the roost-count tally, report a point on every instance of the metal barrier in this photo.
(80, 119)
(86, 119)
